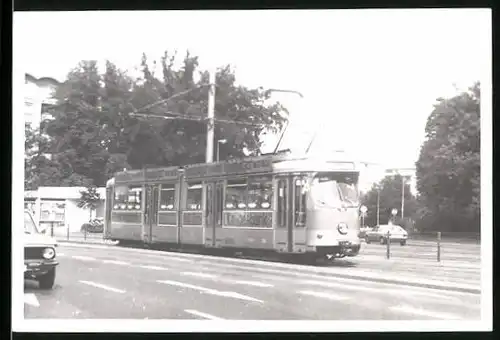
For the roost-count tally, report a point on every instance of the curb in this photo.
(400, 282)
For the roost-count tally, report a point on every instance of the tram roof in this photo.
(249, 165)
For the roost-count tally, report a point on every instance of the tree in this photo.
(88, 121)
(448, 169)
(390, 197)
(94, 133)
(89, 199)
(39, 170)
(182, 141)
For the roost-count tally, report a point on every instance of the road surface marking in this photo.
(253, 283)
(406, 292)
(179, 259)
(99, 285)
(236, 296)
(324, 295)
(121, 263)
(203, 315)
(423, 312)
(84, 258)
(30, 299)
(210, 276)
(60, 254)
(210, 291)
(153, 267)
(356, 287)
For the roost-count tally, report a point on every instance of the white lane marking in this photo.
(60, 254)
(84, 258)
(203, 315)
(30, 299)
(121, 263)
(99, 285)
(178, 259)
(324, 295)
(185, 285)
(204, 275)
(210, 291)
(423, 312)
(154, 267)
(389, 290)
(253, 283)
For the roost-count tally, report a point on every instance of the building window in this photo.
(52, 211)
(194, 196)
(167, 197)
(127, 198)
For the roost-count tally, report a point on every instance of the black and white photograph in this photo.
(252, 171)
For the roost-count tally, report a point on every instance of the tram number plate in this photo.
(345, 243)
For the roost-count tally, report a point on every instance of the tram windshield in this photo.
(336, 189)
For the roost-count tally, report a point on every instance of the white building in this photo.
(37, 98)
(60, 206)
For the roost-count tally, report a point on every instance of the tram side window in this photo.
(194, 196)
(236, 194)
(282, 203)
(300, 202)
(167, 197)
(260, 192)
(127, 198)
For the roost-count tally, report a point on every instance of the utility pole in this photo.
(210, 117)
(403, 198)
(378, 205)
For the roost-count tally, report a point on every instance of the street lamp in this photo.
(363, 209)
(220, 141)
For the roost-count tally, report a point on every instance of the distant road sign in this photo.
(363, 209)
(394, 212)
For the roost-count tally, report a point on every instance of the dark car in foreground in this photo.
(39, 254)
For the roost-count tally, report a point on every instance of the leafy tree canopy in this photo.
(448, 169)
(95, 131)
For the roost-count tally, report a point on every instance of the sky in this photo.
(369, 77)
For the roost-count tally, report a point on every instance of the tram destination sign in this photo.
(130, 176)
(162, 174)
(229, 168)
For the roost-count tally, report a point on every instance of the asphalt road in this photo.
(115, 283)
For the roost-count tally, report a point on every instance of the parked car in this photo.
(39, 254)
(379, 234)
(363, 230)
(94, 226)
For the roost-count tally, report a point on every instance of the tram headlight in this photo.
(342, 228)
(49, 253)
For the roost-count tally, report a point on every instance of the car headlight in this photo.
(342, 228)
(49, 253)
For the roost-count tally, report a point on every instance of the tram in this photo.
(305, 206)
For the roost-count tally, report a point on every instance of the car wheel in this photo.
(367, 240)
(47, 281)
(382, 241)
(403, 243)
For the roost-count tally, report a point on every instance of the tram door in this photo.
(213, 212)
(150, 212)
(291, 212)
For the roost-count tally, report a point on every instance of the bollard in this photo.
(67, 231)
(439, 246)
(388, 242)
(85, 233)
(52, 229)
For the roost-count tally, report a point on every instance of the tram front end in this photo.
(333, 215)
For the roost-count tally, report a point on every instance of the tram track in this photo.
(293, 259)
